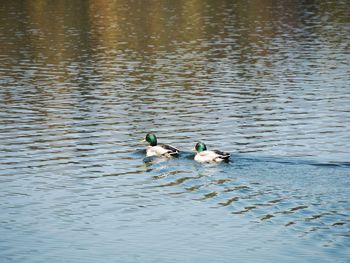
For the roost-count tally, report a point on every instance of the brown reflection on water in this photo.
(145, 26)
(64, 30)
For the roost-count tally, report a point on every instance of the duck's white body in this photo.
(161, 150)
(211, 156)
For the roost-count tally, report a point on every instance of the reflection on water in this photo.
(82, 81)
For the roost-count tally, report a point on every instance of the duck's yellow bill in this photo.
(143, 140)
(193, 149)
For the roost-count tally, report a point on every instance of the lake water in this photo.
(81, 82)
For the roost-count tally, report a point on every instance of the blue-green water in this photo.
(81, 82)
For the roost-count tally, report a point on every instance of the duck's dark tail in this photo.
(222, 155)
(172, 151)
(225, 157)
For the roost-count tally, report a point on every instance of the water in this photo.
(83, 81)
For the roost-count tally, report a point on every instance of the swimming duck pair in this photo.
(203, 155)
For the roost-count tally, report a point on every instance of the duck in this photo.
(206, 156)
(158, 150)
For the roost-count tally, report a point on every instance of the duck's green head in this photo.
(200, 147)
(151, 139)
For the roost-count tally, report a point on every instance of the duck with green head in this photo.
(205, 156)
(158, 150)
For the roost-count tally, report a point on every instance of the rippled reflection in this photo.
(82, 81)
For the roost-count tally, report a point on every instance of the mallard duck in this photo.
(158, 150)
(205, 156)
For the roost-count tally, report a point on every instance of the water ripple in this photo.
(82, 82)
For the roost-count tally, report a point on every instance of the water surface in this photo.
(82, 82)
